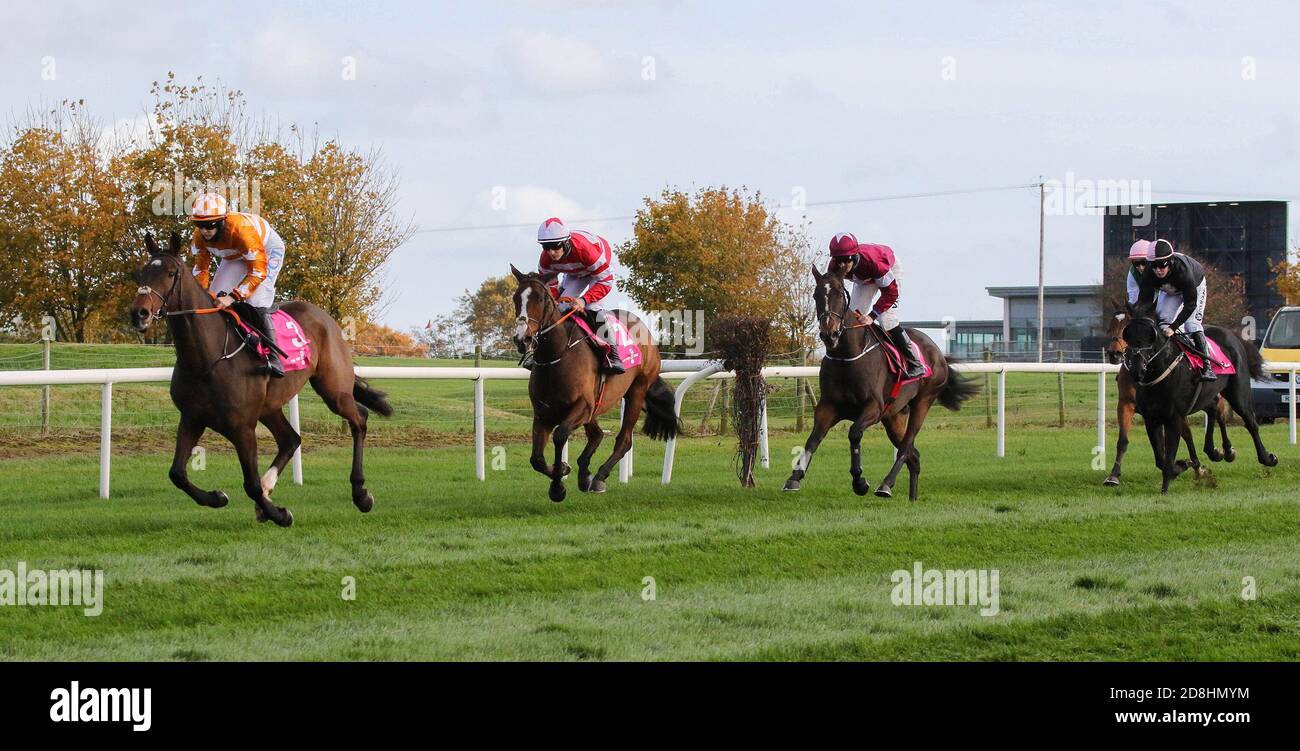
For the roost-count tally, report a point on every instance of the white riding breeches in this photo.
(1169, 305)
(575, 286)
(230, 272)
(860, 299)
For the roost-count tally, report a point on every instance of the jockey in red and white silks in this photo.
(583, 261)
(872, 270)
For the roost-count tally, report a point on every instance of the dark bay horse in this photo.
(214, 383)
(1168, 389)
(1126, 406)
(566, 387)
(856, 383)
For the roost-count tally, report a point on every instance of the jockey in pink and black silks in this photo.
(872, 270)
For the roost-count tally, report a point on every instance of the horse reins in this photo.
(163, 312)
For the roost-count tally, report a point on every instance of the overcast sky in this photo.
(581, 108)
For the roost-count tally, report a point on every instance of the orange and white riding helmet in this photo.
(208, 207)
(552, 231)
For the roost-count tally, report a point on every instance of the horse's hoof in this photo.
(1112, 481)
(861, 486)
(884, 492)
(286, 517)
(598, 486)
(217, 499)
(1214, 455)
(791, 486)
(584, 483)
(1230, 456)
(259, 514)
(1272, 461)
(557, 492)
(365, 502)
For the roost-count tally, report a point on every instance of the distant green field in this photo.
(447, 567)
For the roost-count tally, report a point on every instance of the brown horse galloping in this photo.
(214, 383)
(855, 385)
(566, 387)
(1126, 406)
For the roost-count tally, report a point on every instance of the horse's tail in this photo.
(661, 421)
(1254, 361)
(958, 389)
(371, 398)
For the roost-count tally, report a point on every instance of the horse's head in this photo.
(160, 279)
(1116, 346)
(1142, 337)
(534, 307)
(832, 299)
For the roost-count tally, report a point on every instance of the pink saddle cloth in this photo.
(626, 347)
(290, 338)
(897, 366)
(1219, 362)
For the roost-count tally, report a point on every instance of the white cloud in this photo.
(565, 65)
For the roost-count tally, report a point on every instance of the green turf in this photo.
(447, 567)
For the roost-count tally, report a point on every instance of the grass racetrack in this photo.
(447, 567)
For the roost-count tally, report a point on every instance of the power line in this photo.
(837, 202)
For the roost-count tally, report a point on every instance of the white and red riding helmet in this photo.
(552, 231)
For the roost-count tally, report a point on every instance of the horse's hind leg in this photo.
(287, 442)
(1211, 419)
(824, 417)
(895, 427)
(1193, 461)
(1242, 406)
(342, 403)
(187, 437)
(623, 441)
(245, 441)
(920, 408)
(1221, 417)
(594, 436)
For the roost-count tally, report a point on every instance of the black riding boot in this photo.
(613, 365)
(914, 367)
(273, 365)
(1198, 340)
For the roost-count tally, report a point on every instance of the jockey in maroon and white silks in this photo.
(583, 262)
(872, 270)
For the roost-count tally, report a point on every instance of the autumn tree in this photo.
(720, 251)
(488, 315)
(335, 207)
(62, 225)
(1286, 278)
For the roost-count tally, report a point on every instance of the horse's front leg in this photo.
(245, 440)
(559, 438)
(1124, 416)
(1172, 436)
(188, 434)
(824, 417)
(869, 416)
(541, 435)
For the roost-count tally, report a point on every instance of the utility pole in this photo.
(1042, 218)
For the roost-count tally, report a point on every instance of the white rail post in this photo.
(624, 464)
(1002, 412)
(295, 422)
(670, 449)
(479, 417)
(762, 435)
(105, 436)
(1101, 414)
(1291, 407)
